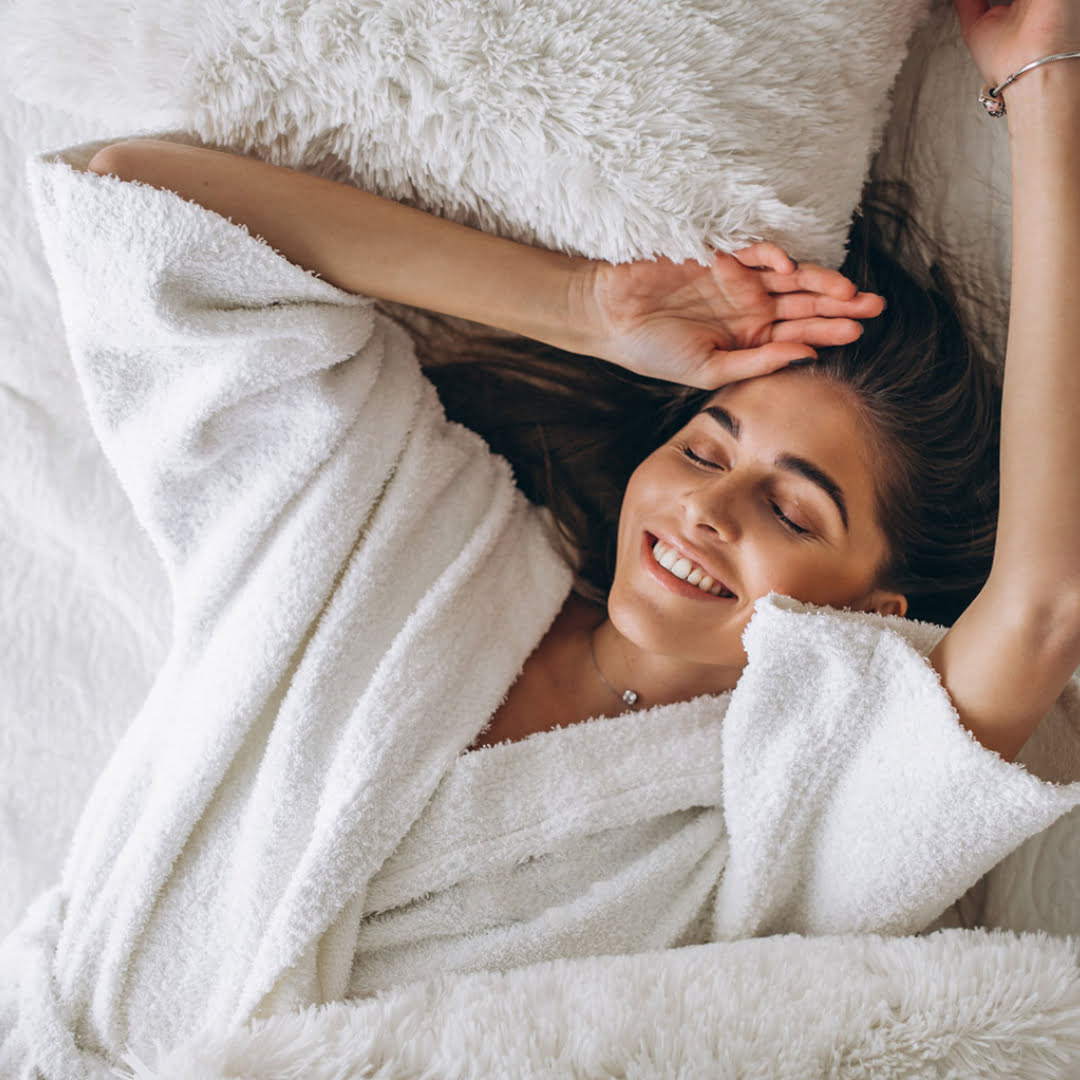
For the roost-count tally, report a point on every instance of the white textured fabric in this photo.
(290, 817)
(967, 1005)
(614, 129)
(207, 359)
(84, 607)
(85, 612)
(854, 798)
(956, 159)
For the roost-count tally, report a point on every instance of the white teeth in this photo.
(683, 568)
(668, 559)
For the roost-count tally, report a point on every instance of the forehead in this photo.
(799, 412)
(797, 405)
(790, 387)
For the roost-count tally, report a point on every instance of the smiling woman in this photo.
(865, 478)
(903, 427)
(771, 488)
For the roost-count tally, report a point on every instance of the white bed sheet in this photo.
(84, 604)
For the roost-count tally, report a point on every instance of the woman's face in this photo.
(769, 489)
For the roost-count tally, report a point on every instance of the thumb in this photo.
(728, 366)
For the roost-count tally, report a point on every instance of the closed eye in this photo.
(787, 522)
(698, 458)
(784, 520)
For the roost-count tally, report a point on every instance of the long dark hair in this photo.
(574, 428)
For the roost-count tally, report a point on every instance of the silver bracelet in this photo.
(991, 99)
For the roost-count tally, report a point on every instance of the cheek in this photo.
(817, 579)
(651, 500)
(647, 492)
(778, 565)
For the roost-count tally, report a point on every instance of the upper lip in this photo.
(695, 556)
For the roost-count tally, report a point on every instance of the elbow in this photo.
(112, 160)
(1056, 624)
(123, 159)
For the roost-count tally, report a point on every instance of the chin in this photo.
(657, 632)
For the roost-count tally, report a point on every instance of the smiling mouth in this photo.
(674, 562)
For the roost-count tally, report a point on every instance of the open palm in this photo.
(748, 314)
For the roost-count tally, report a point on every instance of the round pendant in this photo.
(629, 697)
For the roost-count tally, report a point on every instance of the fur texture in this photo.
(957, 1005)
(613, 129)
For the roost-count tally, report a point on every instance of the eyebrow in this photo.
(790, 462)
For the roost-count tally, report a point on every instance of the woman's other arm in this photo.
(682, 322)
(1010, 654)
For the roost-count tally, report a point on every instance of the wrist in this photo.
(1045, 95)
(531, 291)
(585, 326)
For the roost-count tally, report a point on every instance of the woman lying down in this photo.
(399, 732)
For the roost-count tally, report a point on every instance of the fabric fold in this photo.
(502, 804)
(855, 799)
(270, 433)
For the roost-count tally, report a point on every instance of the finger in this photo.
(818, 331)
(728, 367)
(811, 278)
(768, 255)
(862, 305)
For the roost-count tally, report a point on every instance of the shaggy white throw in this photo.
(609, 128)
(957, 1005)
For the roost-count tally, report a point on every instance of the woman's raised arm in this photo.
(743, 316)
(366, 244)
(1009, 655)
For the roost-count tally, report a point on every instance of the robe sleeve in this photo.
(855, 800)
(219, 378)
(356, 582)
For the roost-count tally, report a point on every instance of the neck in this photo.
(656, 679)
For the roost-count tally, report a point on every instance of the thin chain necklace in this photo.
(628, 697)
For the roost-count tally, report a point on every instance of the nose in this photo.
(712, 509)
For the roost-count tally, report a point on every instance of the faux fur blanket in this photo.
(958, 1005)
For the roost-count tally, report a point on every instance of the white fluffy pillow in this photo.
(616, 129)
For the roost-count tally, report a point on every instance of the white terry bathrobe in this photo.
(291, 818)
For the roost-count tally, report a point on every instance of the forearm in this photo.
(1039, 521)
(1009, 656)
(369, 245)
